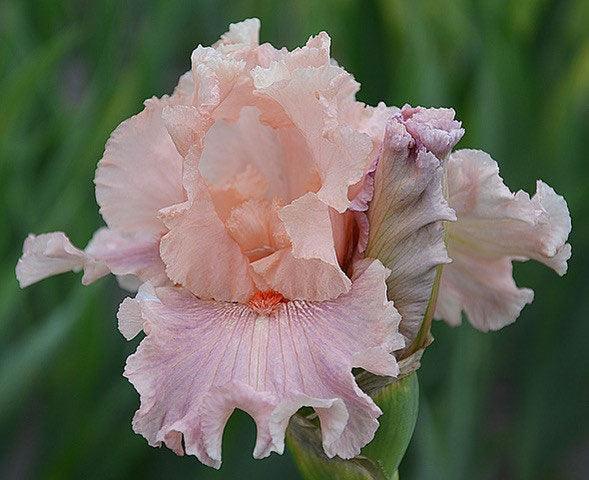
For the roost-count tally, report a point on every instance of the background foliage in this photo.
(509, 405)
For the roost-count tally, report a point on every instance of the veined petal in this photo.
(405, 217)
(202, 359)
(494, 227)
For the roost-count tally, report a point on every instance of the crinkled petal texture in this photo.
(244, 178)
(202, 359)
(275, 153)
(407, 212)
(239, 203)
(495, 227)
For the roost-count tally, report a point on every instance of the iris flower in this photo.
(279, 233)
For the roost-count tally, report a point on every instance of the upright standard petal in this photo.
(198, 251)
(495, 227)
(202, 359)
(309, 97)
(140, 173)
(406, 222)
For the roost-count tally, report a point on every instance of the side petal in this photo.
(134, 254)
(202, 359)
(140, 173)
(109, 251)
(49, 254)
(406, 222)
(495, 227)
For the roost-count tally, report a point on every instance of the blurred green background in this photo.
(506, 405)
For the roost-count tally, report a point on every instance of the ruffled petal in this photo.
(308, 224)
(198, 251)
(257, 229)
(202, 359)
(47, 255)
(406, 222)
(140, 173)
(483, 288)
(494, 227)
(308, 97)
(434, 128)
(52, 253)
(298, 278)
(278, 155)
(246, 32)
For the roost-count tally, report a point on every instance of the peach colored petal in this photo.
(308, 226)
(140, 173)
(307, 222)
(298, 278)
(230, 147)
(494, 227)
(307, 97)
(245, 32)
(198, 251)
(257, 229)
(186, 126)
(201, 359)
(405, 217)
(500, 303)
(215, 75)
(279, 155)
(184, 91)
(347, 232)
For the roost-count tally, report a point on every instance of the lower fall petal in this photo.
(202, 359)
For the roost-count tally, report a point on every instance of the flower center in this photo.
(265, 302)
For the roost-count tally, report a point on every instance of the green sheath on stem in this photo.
(380, 459)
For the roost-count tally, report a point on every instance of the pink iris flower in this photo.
(280, 233)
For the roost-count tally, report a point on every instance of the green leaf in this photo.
(380, 459)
